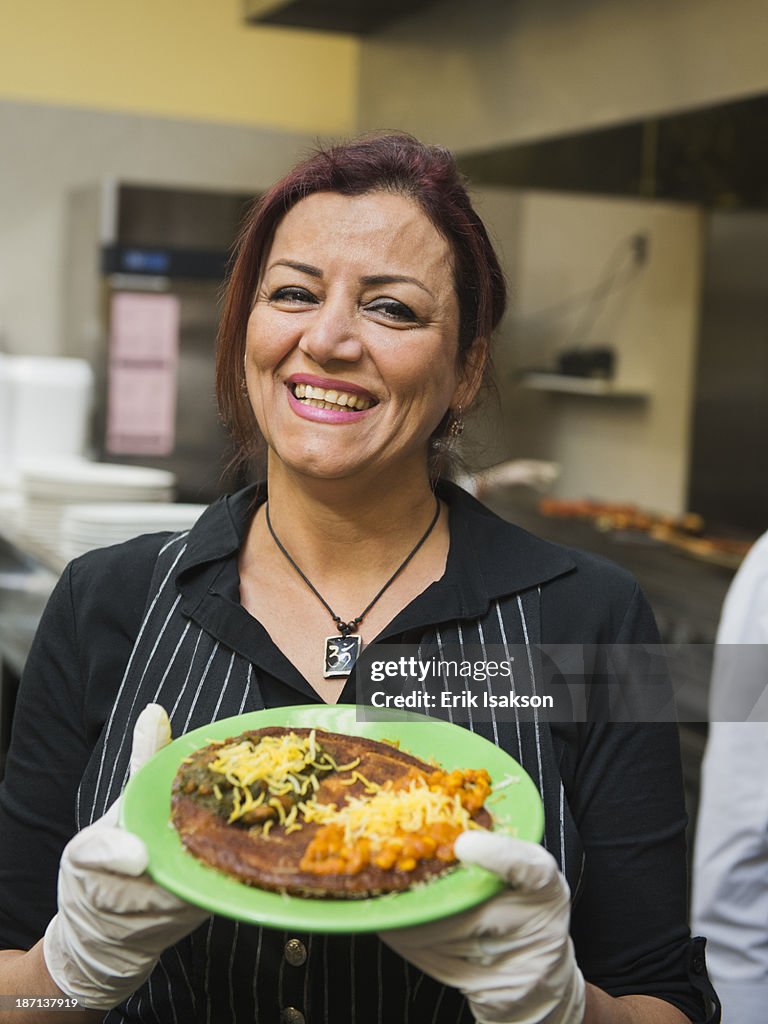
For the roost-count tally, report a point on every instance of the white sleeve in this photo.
(730, 875)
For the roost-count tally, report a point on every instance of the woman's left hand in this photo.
(512, 957)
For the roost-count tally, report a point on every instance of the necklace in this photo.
(342, 651)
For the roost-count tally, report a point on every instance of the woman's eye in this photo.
(292, 293)
(392, 309)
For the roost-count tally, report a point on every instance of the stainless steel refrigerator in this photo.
(143, 274)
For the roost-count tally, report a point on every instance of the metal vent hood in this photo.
(358, 17)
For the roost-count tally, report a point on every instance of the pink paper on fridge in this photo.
(143, 363)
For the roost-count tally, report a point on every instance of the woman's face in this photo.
(352, 344)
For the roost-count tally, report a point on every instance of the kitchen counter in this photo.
(686, 593)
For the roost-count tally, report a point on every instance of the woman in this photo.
(355, 332)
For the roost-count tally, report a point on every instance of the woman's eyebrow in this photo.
(303, 268)
(395, 279)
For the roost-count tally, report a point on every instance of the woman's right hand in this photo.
(113, 921)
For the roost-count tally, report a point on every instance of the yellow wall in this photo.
(177, 58)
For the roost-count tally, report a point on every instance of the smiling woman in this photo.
(355, 330)
(368, 322)
(388, 175)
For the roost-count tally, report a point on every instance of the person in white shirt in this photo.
(730, 874)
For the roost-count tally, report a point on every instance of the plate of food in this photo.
(312, 818)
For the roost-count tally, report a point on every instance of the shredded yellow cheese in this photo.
(274, 760)
(389, 811)
(281, 764)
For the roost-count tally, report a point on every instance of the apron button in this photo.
(295, 952)
(290, 1015)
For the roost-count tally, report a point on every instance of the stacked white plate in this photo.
(85, 527)
(49, 486)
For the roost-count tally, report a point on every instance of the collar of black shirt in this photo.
(488, 558)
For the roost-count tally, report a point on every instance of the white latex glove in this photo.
(114, 921)
(512, 957)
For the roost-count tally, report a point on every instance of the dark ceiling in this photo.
(716, 156)
(355, 16)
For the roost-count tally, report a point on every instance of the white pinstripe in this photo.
(200, 685)
(169, 666)
(306, 972)
(192, 994)
(461, 1013)
(256, 976)
(247, 688)
(224, 687)
(445, 689)
(152, 1001)
(162, 967)
(207, 975)
(533, 684)
(504, 640)
(460, 632)
(423, 684)
(438, 1001)
(231, 976)
(281, 971)
(174, 540)
(481, 636)
(417, 986)
(562, 828)
(183, 689)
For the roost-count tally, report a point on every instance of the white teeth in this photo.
(319, 398)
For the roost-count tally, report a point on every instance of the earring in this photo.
(456, 426)
(243, 385)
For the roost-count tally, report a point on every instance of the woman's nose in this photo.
(332, 332)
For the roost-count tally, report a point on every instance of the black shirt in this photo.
(620, 790)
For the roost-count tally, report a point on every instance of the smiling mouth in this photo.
(330, 398)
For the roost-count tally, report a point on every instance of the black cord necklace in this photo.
(341, 652)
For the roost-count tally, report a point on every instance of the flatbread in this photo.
(280, 855)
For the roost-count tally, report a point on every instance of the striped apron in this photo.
(227, 971)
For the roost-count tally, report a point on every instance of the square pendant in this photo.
(341, 654)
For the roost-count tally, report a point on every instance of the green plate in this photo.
(516, 808)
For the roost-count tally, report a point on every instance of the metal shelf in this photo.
(590, 387)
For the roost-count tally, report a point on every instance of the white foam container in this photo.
(50, 403)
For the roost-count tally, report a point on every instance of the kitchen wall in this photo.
(474, 75)
(49, 151)
(177, 92)
(574, 281)
(178, 58)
